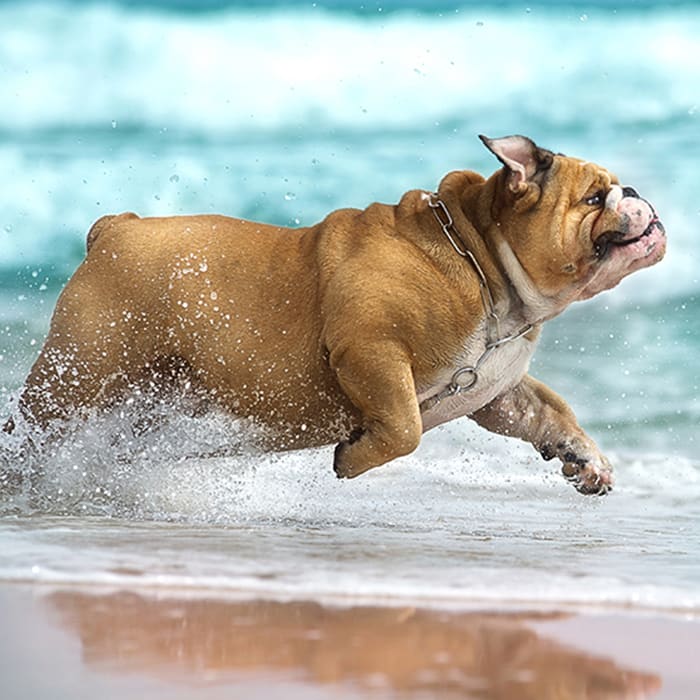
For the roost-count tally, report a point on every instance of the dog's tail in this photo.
(103, 224)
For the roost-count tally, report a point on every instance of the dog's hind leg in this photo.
(86, 360)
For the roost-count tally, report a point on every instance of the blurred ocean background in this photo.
(282, 111)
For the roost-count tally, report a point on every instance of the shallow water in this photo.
(282, 114)
(468, 520)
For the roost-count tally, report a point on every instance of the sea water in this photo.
(282, 111)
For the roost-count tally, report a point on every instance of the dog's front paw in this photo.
(342, 464)
(589, 475)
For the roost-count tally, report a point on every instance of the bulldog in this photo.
(366, 329)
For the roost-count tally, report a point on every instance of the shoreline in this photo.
(436, 602)
(73, 642)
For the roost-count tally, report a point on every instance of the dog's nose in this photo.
(630, 192)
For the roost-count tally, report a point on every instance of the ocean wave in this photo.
(283, 115)
(243, 69)
(106, 108)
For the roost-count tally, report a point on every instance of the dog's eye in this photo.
(596, 200)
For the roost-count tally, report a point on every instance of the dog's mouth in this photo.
(609, 240)
(632, 238)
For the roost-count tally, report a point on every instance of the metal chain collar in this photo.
(466, 377)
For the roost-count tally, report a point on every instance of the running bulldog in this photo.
(366, 329)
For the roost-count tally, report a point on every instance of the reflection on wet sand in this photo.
(403, 651)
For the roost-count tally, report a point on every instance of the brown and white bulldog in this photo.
(366, 329)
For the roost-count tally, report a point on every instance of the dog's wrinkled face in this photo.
(575, 230)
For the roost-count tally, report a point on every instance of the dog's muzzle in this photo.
(637, 220)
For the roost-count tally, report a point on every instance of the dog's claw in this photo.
(343, 471)
(339, 471)
(589, 479)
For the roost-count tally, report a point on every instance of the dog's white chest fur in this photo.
(500, 371)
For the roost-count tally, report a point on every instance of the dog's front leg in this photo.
(532, 412)
(378, 380)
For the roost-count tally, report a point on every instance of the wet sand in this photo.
(91, 643)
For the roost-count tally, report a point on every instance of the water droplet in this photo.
(584, 17)
(114, 123)
(290, 196)
(174, 178)
(8, 228)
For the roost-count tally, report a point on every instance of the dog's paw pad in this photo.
(588, 477)
(341, 466)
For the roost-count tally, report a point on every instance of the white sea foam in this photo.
(164, 464)
(467, 520)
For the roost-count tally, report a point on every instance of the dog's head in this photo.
(571, 225)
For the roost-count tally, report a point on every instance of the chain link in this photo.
(466, 377)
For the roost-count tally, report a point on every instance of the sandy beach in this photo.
(85, 643)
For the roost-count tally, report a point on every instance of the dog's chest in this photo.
(498, 371)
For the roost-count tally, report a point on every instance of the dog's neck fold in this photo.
(537, 307)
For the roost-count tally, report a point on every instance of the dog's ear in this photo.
(521, 156)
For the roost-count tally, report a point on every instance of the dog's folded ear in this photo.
(521, 156)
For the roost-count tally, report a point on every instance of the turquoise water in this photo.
(281, 112)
